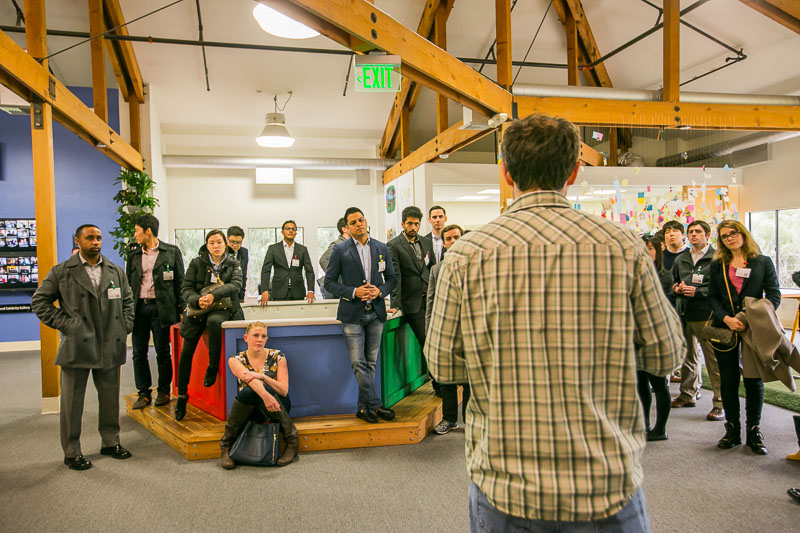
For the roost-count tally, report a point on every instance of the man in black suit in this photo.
(437, 218)
(240, 253)
(289, 259)
(412, 256)
(155, 273)
(361, 274)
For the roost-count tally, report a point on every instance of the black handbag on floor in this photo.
(256, 445)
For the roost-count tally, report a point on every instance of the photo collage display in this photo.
(17, 235)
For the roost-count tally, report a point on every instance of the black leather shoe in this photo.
(654, 436)
(142, 401)
(755, 440)
(180, 406)
(211, 377)
(733, 437)
(367, 416)
(77, 463)
(795, 494)
(117, 452)
(385, 414)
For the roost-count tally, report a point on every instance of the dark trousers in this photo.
(417, 324)
(730, 372)
(450, 402)
(146, 321)
(214, 322)
(645, 380)
(73, 392)
(250, 397)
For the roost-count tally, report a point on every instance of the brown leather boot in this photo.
(290, 437)
(240, 414)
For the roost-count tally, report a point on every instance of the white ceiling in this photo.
(243, 82)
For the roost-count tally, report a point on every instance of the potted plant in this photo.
(134, 197)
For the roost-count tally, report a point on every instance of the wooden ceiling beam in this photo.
(625, 113)
(409, 91)
(67, 108)
(672, 50)
(97, 27)
(450, 140)
(423, 61)
(784, 12)
(128, 63)
(440, 40)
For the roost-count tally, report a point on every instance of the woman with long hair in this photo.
(646, 380)
(220, 275)
(739, 270)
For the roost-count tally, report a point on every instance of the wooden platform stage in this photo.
(197, 435)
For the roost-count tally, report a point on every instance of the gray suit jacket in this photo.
(434, 275)
(93, 328)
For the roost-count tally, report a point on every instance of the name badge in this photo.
(381, 266)
(427, 259)
(169, 275)
(697, 278)
(295, 262)
(114, 293)
(213, 278)
(743, 272)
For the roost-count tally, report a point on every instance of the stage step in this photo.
(197, 435)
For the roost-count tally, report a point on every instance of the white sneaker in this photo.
(444, 426)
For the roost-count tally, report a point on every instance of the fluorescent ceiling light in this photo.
(473, 197)
(274, 176)
(490, 191)
(279, 25)
(275, 134)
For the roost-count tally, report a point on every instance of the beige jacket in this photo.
(766, 352)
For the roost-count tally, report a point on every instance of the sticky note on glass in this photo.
(624, 183)
(650, 207)
(640, 194)
(597, 136)
(641, 201)
(689, 219)
(690, 207)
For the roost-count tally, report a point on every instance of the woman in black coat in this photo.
(739, 270)
(213, 265)
(645, 380)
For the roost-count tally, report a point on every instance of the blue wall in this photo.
(85, 187)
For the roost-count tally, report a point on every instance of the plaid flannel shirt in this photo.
(548, 312)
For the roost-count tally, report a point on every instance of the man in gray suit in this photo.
(94, 316)
(344, 234)
(289, 259)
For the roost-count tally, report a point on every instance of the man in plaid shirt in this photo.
(548, 312)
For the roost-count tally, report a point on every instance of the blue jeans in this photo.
(486, 518)
(363, 341)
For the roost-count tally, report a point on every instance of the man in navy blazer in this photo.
(361, 275)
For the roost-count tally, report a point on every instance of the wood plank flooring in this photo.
(197, 435)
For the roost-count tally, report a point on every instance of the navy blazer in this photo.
(763, 281)
(345, 273)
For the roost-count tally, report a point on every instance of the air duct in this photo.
(568, 91)
(724, 148)
(309, 163)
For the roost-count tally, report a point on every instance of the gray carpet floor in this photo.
(690, 485)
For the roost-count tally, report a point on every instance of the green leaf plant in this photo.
(134, 198)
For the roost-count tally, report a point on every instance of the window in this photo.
(189, 242)
(258, 240)
(777, 233)
(325, 236)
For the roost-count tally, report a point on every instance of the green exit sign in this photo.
(377, 74)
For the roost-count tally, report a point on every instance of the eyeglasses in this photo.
(728, 236)
(289, 229)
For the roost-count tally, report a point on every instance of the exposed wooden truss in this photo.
(784, 12)
(126, 68)
(435, 10)
(620, 113)
(29, 79)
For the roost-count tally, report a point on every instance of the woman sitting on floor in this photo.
(212, 267)
(263, 384)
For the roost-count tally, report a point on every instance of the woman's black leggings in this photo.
(644, 380)
(730, 372)
(214, 322)
(260, 414)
